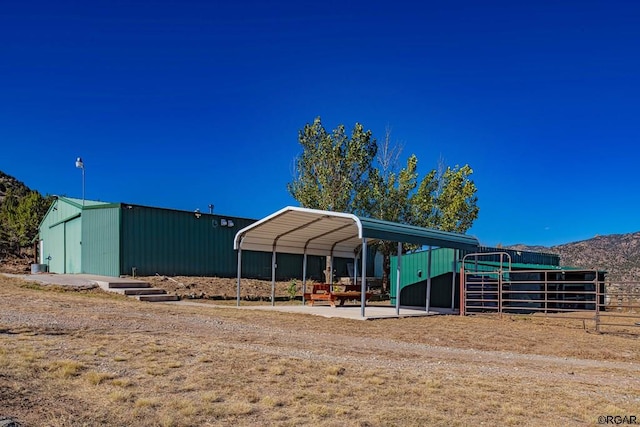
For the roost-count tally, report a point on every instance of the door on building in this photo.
(72, 246)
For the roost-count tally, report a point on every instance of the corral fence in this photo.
(491, 285)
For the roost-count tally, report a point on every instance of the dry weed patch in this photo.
(65, 368)
(97, 378)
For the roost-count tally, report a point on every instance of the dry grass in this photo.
(69, 358)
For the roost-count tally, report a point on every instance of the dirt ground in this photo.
(78, 358)
(188, 287)
(15, 264)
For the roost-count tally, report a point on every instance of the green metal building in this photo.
(445, 266)
(114, 239)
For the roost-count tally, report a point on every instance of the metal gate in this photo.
(494, 287)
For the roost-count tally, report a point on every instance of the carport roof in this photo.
(316, 232)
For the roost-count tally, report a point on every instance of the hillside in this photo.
(11, 184)
(619, 254)
(21, 210)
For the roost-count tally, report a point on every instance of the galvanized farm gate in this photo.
(494, 287)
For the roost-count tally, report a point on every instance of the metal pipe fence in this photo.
(620, 310)
(490, 288)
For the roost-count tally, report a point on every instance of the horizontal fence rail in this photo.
(620, 310)
(570, 294)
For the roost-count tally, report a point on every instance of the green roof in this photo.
(79, 202)
(316, 232)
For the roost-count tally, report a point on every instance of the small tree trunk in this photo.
(386, 268)
(327, 270)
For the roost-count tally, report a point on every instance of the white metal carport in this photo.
(315, 232)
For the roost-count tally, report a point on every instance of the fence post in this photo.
(500, 289)
(546, 292)
(597, 316)
(463, 289)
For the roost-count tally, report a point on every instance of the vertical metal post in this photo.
(239, 274)
(453, 280)
(546, 291)
(273, 278)
(428, 301)
(500, 288)
(331, 272)
(83, 186)
(355, 269)
(398, 271)
(597, 316)
(363, 285)
(463, 289)
(304, 275)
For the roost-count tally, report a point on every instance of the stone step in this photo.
(143, 291)
(158, 298)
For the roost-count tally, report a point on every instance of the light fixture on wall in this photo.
(197, 213)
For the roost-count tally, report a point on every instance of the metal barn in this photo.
(114, 239)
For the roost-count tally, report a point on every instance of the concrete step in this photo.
(143, 291)
(123, 285)
(158, 298)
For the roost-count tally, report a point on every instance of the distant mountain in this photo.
(619, 254)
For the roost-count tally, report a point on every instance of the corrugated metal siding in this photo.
(414, 267)
(52, 234)
(173, 242)
(442, 263)
(101, 241)
(416, 293)
(72, 246)
(54, 243)
(257, 265)
(341, 270)
(520, 257)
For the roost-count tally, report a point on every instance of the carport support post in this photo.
(239, 274)
(304, 275)
(398, 279)
(428, 302)
(273, 278)
(363, 285)
(453, 281)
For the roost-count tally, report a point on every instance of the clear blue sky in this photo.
(180, 104)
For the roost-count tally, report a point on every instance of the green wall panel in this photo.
(73, 249)
(171, 242)
(415, 294)
(53, 243)
(101, 241)
(52, 232)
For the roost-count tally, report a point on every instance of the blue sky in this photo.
(180, 104)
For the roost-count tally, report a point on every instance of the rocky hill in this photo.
(619, 254)
(9, 183)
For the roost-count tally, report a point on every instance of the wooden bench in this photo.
(322, 292)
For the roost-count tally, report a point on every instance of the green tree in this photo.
(335, 172)
(20, 216)
(332, 173)
(456, 202)
(391, 193)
